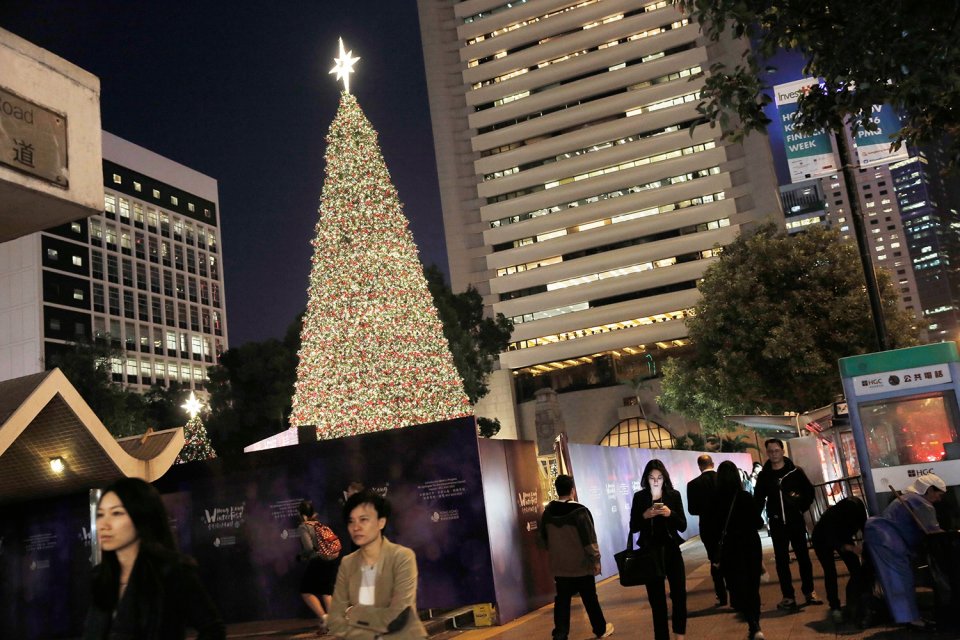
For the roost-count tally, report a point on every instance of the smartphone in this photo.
(658, 506)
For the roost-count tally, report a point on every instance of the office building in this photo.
(578, 197)
(144, 274)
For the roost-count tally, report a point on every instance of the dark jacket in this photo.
(839, 524)
(740, 548)
(786, 492)
(571, 540)
(164, 597)
(659, 531)
(701, 499)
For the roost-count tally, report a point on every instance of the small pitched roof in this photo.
(42, 417)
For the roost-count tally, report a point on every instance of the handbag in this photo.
(639, 566)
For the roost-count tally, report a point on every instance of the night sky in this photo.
(240, 91)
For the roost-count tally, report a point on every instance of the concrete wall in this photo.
(27, 202)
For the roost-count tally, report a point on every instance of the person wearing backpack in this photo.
(320, 549)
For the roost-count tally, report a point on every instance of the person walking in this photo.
(783, 488)
(320, 549)
(657, 515)
(834, 533)
(701, 498)
(894, 540)
(567, 530)
(376, 590)
(739, 550)
(143, 587)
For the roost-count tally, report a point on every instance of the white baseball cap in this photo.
(924, 482)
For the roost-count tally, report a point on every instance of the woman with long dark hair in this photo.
(144, 588)
(657, 515)
(741, 555)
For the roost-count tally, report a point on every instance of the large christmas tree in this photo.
(373, 355)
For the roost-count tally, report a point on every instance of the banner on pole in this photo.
(809, 155)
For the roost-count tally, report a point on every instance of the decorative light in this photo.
(344, 66)
(57, 465)
(192, 406)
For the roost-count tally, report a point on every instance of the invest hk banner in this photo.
(873, 147)
(809, 155)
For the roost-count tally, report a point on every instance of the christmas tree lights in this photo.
(373, 355)
(196, 444)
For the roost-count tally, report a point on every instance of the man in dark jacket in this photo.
(701, 498)
(787, 493)
(568, 533)
(834, 533)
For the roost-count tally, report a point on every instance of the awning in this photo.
(792, 425)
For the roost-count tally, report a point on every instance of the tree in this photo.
(475, 341)
(906, 59)
(196, 446)
(162, 406)
(372, 355)
(251, 390)
(776, 314)
(87, 366)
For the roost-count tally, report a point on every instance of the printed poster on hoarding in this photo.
(809, 155)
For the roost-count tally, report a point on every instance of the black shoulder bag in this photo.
(639, 566)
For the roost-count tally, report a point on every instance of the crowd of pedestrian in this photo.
(144, 588)
(731, 504)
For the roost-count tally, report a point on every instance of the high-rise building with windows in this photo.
(578, 196)
(912, 230)
(145, 274)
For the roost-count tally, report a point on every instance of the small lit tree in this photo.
(197, 443)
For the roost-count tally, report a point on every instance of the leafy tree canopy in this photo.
(776, 314)
(125, 413)
(251, 391)
(905, 58)
(475, 341)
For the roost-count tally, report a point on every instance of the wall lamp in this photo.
(57, 465)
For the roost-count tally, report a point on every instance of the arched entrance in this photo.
(639, 433)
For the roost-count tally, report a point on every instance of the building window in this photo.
(75, 227)
(137, 186)
(77, 261)
(54, 324)
(156, 193)
(191, 207)
(52, 254)
(174, 200)
(117, 179)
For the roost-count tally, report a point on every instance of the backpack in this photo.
(325, 541)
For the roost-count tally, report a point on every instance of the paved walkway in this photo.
(628, 610)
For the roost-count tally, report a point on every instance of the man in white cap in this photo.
(894, 539)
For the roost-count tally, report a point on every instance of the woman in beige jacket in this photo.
(376, 590)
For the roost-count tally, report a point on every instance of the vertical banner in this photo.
(873, 147)
(514, 505)
(809, 155)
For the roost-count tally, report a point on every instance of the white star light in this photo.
(344, 66)
(192, 406)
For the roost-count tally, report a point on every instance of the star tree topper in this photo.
(192, 405)
(344, 66)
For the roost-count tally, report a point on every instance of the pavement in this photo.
(627, 609)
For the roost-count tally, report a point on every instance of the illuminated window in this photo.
(638, 433)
